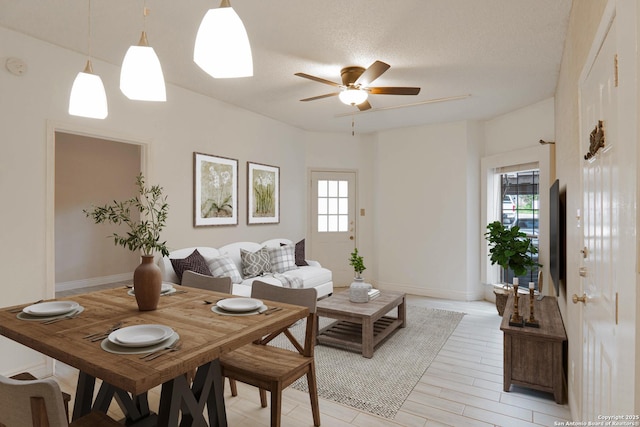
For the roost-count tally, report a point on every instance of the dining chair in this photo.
(28, 376)
(39, 403)
(201, 281)
(271, 368)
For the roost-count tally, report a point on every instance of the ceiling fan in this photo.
(355, 88)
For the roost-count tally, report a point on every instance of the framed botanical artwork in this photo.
(263, 194)
(215, 187)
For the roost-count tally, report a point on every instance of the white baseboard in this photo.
(429, 292)
(39, 370)
(94, 281)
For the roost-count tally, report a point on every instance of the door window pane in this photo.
(322, 188)
(322, 205)
(343, 189)
(343, 223)
(333, 189)
(343, 206)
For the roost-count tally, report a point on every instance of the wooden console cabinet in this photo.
(536, 357)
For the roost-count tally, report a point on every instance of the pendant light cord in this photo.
(89, 27)
(145, 12)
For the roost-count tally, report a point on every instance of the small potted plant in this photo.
(359, 290)
(511, 249)
(143, 235)
(357, 262)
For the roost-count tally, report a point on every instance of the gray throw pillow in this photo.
(255, 263)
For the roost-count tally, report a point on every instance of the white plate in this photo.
(140, 335)
(167, 288)
(24, 316)
(239, 304)
(119, 349)
(218, 310)
(51, 308)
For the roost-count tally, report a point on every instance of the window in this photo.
(520, 207)
(333, 206)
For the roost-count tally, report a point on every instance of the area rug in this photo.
(380, 385)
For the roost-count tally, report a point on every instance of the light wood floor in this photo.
(462, 387)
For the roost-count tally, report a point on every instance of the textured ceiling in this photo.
(504, 53)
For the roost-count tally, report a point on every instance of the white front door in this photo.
(602, 270)
(333, 222)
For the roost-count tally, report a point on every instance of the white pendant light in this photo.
(353, 96)
(141, 76)
(88, 97)
(222, 46)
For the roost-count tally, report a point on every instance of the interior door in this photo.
(601, 196)
(333, 222)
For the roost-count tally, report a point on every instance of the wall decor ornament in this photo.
(215, 187)
(263, 194)
(596, 140)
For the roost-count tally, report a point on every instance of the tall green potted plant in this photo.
(143, 235)
(511, 249)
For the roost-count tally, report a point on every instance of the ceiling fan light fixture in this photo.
(141, 76)
(353, 96)
(222, 46)
(88, 97)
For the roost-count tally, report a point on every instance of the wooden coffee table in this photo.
(360, 326)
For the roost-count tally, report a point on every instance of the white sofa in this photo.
(313, 275)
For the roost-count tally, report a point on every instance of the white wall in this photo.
(522, 128)
(421, 211)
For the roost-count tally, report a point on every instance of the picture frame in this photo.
(263, 194)
(215, 190)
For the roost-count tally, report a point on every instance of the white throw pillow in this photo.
(223, 266)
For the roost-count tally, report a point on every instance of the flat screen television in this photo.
(557, 236)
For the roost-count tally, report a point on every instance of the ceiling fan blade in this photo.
(364, 106)
(313, 98)
(374, 71)
(318, 79)
(393, 90)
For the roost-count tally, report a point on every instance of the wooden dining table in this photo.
(204, 336)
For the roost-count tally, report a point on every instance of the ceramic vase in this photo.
(147, 283)
(359, 290)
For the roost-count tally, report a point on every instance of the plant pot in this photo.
(359, 290)
(147, 283)
(501, 300)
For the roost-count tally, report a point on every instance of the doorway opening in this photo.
(86, 169)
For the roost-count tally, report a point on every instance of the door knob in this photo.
(350, 237)
(576, 299)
